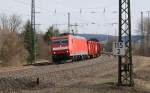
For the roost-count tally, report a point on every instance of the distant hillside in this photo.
(102, 37)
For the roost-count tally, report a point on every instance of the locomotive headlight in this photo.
(54, 53)
(67, 51)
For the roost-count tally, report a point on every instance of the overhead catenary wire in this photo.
(95, 11)
(28, 4)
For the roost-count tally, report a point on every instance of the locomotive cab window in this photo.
(60, 41)
(64, 41)
(56, 41)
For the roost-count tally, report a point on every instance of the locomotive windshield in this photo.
(60, 41)
(56, 41)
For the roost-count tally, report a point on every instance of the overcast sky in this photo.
(93, 16)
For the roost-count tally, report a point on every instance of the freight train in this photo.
(73, 47)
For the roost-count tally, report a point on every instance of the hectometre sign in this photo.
(119, 48)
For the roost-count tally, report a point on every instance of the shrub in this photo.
(12, 51)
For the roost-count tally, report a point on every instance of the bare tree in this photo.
(144, 31)
(12, 51)
(10, 23)
(15, 23)
(3, 22)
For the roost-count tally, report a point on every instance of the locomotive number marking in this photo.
(60, 48)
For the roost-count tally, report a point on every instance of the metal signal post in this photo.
(33, 14)
(33, 26)
(69, 22)
(125, 66)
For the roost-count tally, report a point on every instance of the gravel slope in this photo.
(90, 76)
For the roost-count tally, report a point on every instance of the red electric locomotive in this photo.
(73, 47)
(69, 47)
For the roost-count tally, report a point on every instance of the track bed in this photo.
(91, 76)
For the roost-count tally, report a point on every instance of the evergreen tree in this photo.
(50, 33)
(29, 41)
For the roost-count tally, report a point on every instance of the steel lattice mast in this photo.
(33, 26)
(125, 66)
(33, 14)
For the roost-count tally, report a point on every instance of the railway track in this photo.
(54, 75)
(54, 68)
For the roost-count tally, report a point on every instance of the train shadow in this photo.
(42, 64)
(71, 61)
(39, 64)
(59, 62)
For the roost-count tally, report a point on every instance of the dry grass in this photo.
(142, 73)
(12, 51)
(43, 48)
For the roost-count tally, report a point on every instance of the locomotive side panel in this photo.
(78, 46)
